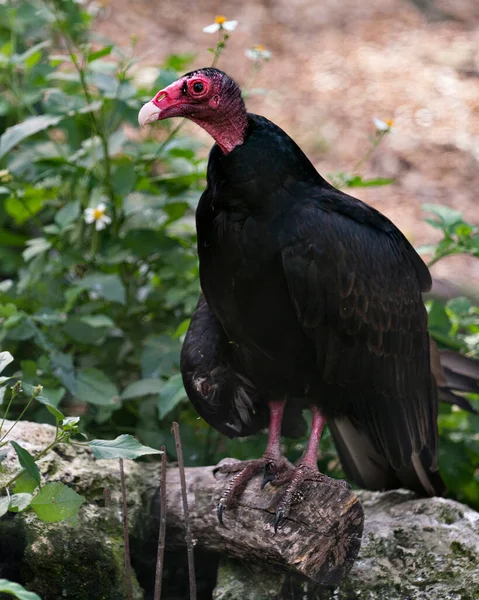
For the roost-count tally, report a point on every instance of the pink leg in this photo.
(272, 462)
(306, 469)
(310, 457)
(276, 410)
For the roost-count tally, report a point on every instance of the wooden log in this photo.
(319, 540)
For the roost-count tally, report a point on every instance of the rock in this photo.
(412, 549)
(84, 561)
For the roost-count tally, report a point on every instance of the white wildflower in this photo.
(220, 23)
(258, 52)
(382, 125)
(5, 176)
(97, 215)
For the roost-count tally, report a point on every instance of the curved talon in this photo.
(219, 513)
(277, 520)
(267, 479)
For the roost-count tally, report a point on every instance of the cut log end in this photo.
(319, 539)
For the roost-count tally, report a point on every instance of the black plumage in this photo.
(310, 296)
(320, 294)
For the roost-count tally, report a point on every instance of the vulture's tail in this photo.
(369, 469)
(457, 373)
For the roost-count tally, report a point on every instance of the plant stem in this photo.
(45, 451)
(95, 238)
(18, 418)
(170, 136)
(220, 46)
(162, 533)
(257, 65)
(189, 540)
(375, 143)
(12, 397)
(126, 538)
(97, 125)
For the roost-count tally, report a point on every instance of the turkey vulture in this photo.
(311, 300)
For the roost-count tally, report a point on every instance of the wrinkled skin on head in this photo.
(209, 98)
(195, 95)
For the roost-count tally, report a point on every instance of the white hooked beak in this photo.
(149, 112)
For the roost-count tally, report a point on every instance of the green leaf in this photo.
(143, 387)
(438, 320)
(70, 424)
(448, 217)
(24, 207)
(124, 446)
(27, 461)
(5, 359)
(31, 52)
(17, 590)
(178, 62)
(29, 370)
(99, 53)
(25, 484)
(159, 356)
(35, 246)
(14, 135)
(97, 321)
(53, 395)
(88, 108)
(4, 504)
(124, 178)
(67, 214)
(62, 368)
(19, 502)
(356, 182)
(79, 331)
(56, 502)
(94, 387)
(459, 305)
(182, 328)
(107, 286)
(171, 395)
(50, 407)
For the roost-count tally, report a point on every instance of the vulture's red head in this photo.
(209, 98)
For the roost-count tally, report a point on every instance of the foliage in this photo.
(95, 312)
(89, 312)
(54, 501)
(17, 591)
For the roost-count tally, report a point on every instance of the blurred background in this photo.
(98, 264)
(334, 66)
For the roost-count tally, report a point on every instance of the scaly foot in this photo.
(293, 494)
(274, 468)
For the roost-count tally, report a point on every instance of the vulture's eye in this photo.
(198, 87)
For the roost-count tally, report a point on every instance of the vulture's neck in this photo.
(228, 128)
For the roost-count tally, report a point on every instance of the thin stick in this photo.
(126, 538)
(189, 541)
(162, 534)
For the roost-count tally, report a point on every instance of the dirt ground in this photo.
(335, 65)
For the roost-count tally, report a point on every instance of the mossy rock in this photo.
(412, 549)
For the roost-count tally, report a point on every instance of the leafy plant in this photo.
(459, 237)
(53, 501)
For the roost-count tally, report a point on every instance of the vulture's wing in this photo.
(221, 395)
(356, 283)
